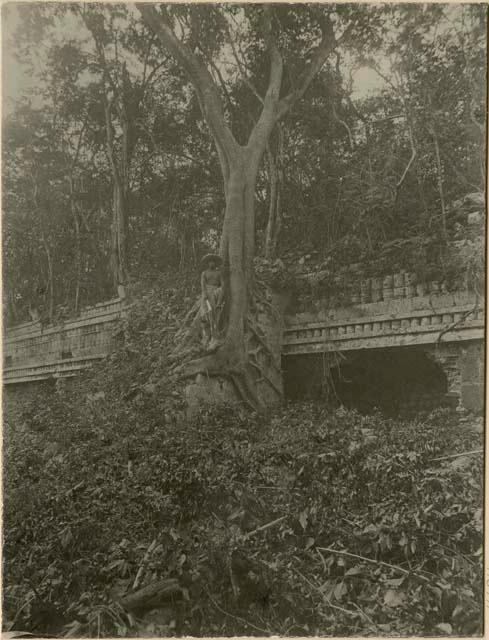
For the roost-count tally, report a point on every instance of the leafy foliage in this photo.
(347, 189)
(311, 521)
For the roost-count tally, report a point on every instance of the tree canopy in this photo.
(107, 134)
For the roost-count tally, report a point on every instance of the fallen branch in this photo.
(457, 455)
(372, 561)
(364, 614)
(265, 526)
(237, 618)
(152, 595)
(325, 599)
(142, 566)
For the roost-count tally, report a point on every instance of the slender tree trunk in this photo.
(50, 275)
(45, 245)
(274, 224)
(77, 262)
(120, 176)
(78, 257)
(439, 175)
(119, 236)
(421, 195)
(235, 253)
(272, 209)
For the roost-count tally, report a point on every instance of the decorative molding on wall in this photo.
(33, 351)
(36, 352)
(407, 322)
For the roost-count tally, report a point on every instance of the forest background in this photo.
(122, 516)
(109, 172)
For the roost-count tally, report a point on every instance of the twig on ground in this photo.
(372, 561)
(350, 522)
(238, 618)
(322, 559)
(142, 566)
(457, 553)
(265, 526)
(325, 599)
(457, 455)
(364, 614)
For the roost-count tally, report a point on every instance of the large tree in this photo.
(275, 31)
(337, 183)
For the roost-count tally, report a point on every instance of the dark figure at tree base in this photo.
(212, 299)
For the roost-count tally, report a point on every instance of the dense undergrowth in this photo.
(309, 521)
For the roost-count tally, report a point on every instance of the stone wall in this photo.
(447, 327)
(390, 323)
(473, 377)
(463, 365)
(35, 351)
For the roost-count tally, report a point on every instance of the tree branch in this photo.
(78, 146)
(110, 137)
(241, 68)
(198, 74)
(269, 114)
(411, 160)
(325, 47)
(344, 125)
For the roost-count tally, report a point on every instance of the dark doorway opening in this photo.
(395, 380)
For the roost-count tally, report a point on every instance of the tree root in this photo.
(254, 330)
(260, 290)
(187, 333)
(218, 365)
(274, 311)
(239, 365)
(246, 391)
(207, 365)
(264, 377)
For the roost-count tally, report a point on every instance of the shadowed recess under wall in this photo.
(391, 380)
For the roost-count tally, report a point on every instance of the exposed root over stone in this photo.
(245, 366)
(220, 365)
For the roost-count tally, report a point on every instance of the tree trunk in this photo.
(119, 264)
(77, 261)
(233, 359)
(272, 210)
(78, 258)
(120, 175)
(50, 276)
(237, 250)
(274, 224)
(47, 250)
(439, 180)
